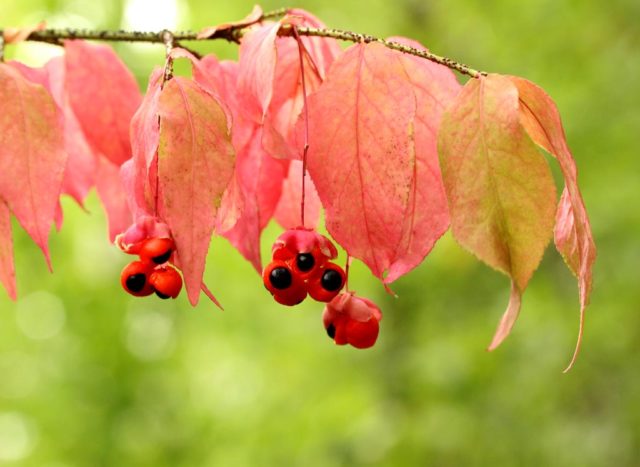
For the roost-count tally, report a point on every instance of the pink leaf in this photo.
(500, 190)
(362, 152)
(321, 50)
(260, 178)
(288, 210)
(573, 237)
(251, 198)
(145, 135)
(257, 69)
(111, 191)
(287, 99)
(7, 267)
(104, 96)
(196, 161)
(79, 174)
(427, 215)
(32, 157)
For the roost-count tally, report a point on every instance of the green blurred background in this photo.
(90, 376)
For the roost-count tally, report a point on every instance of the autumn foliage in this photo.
(396, 152)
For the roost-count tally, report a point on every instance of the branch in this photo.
(234, 33)
(357, 37)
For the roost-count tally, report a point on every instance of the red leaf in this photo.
(111, 191)
(257, 69)
(288, 210)
(287, 100)
(7, 267)
(251, 18)
(195, 160)
(32, 157)
(269, 76)
(573, 238)
(251, 198)
(500, 190)
(427, 215)
(260, 178)
(104, 96)
(362, 152)
(322, 50)
(80, 171)
(145, 135)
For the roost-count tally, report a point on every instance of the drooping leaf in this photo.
(288, 99)
(7, 267)
(288, 210)
(362, 152)
(195, 161)
(15, 35)
(269, 70)
(251, 18)
(499, 186)
(80, 171)
(573, 238)
(427, 216)
(32, 156)
(288, 93)
(113, 196)
(257, 69)
(321, 50)
(260, 178)
(82, 165)
(251, 198)
(103, 95)
(145, 135)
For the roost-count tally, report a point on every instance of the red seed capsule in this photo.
(156, 250)
(362, 335)
(352, 320)
(135, 279)
(166, 282)
(326, 283)
(285, 285)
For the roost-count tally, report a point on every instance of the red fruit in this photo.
(326, 283)
(135, 279)
(300, 240)
(337, 329)
(166, 282)
(362, 335)
(285, 285)
(352, 320)
(144, 228)
(156, 250)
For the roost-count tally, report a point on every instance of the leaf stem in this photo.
(305, 109)
(234, 33)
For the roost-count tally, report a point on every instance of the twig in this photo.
(234, 33)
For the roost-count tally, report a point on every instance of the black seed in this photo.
(162, 258)
(305, 261)
(331, 280)
(331, 331)
(136, 282)
(161, 295)
(280, 278)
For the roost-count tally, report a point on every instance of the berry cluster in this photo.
(152, 273)
(352, 320)
(301, 265)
